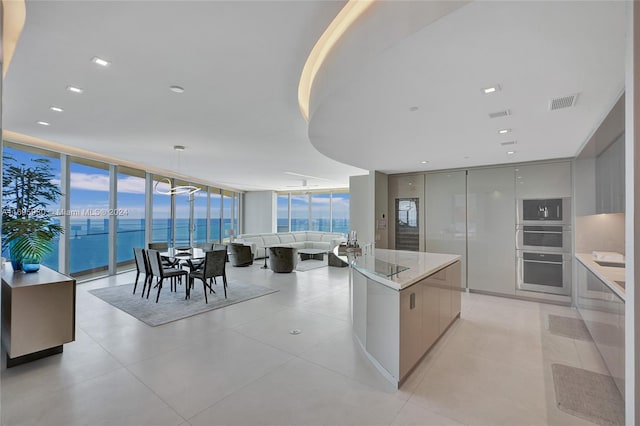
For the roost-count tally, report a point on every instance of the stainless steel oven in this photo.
(547, 238)
(547, 211)
(546, 272)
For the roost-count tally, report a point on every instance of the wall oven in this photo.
(543, 245)
(544, 272)
(547, 238)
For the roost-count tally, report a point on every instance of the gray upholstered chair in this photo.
(241, 255)
(283, 259)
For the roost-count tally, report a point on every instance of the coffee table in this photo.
(311, 253)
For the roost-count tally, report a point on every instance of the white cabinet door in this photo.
(491, 236)
(610, 174)
(446, 205)
(550, 180)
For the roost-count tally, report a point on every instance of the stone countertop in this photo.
(418, 265)
(608, 274)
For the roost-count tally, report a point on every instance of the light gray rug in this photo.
(172, 306)
(588, 395)
(573, 328)
(307, 265)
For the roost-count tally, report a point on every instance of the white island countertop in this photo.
(399, 269)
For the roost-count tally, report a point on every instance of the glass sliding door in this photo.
(299, 212)
(227, 216)
(215, 215)
(321, 212)
(200, 217)
(340, 212)
(89, 221)
(161, 222)
(283, 212)
(182, 214)
(130, 226)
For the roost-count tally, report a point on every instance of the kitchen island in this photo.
(403, 302)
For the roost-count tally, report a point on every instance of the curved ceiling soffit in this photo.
(334, 32)
(374, 30)
(13, 17)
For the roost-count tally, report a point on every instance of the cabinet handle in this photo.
(412, 300)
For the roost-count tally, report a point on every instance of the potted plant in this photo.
(27, 223)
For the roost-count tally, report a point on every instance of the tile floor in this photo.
(240, 365)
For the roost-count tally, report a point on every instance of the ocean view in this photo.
(89, 246)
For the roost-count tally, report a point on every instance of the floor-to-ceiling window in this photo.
(200, 217)
(215, 215)
(340, 212)
(299, 212)
(321, 212)
(283, 213)
(227, 215)
(89, 221)
(316, 211)
(236, 213)
(16, 156)
(130, 226)
(161, 222)
(182, 214)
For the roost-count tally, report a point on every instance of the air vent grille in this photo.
(497, 114)
(508, 143)
(563, 102)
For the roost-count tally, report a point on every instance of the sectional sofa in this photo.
(301, 239)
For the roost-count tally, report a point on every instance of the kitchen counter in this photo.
(609, 275)
(403, 302)
(399, 269)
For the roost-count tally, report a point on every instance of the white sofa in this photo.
(300, 239)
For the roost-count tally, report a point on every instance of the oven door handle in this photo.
(542, 232)
(543, 261)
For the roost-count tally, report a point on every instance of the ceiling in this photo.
(417, 95)
(403, 86)
(238, 61)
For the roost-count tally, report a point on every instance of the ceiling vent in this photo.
(497, 114)
(563, 102)
(508, 143)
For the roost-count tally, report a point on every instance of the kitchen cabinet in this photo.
(491, 230)
(446, 215)
(603, 313)
(547, 180)
(610, 175)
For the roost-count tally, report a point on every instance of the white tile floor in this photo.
(240, 365)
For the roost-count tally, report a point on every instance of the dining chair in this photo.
(166, 261)
(161, 273)
(214, 266)
(142, 267)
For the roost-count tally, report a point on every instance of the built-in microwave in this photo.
(544, 210)
(543, 237)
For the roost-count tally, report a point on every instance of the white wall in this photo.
(381, 210)
(259, 212)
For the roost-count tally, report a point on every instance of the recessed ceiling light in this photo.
(176, 89)
(424, 162)
(491, 89)
(43, 123)
(178, 147)
(100, 61)
(504, 131)
(56, 109)
(510, 152)
(414, 108)
(74, 89)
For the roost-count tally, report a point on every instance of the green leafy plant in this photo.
(27, 192)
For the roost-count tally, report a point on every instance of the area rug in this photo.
(588, 395)
(307, 265)
(172, 306)
(573, 328)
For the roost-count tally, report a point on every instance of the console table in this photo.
(38, 313)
